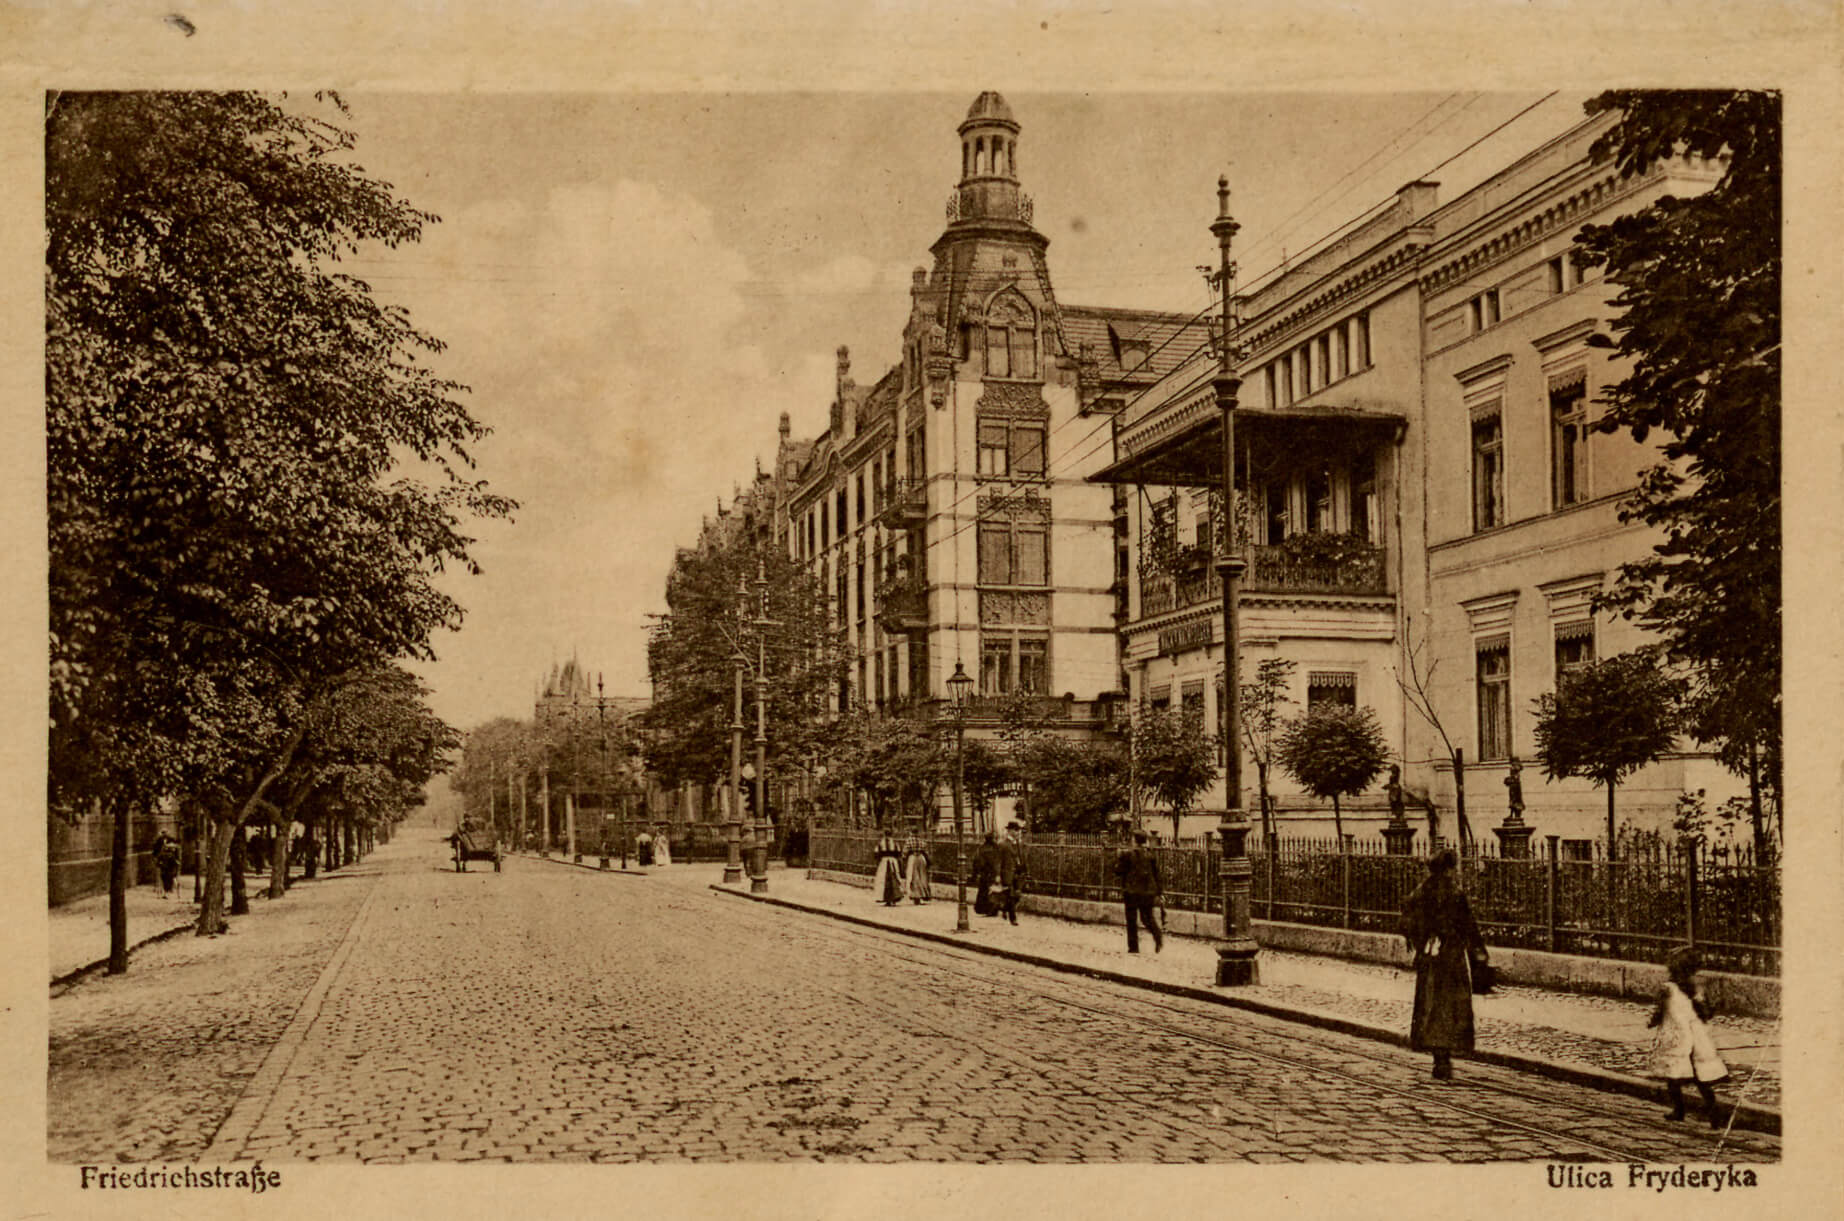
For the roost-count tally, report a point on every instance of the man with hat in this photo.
(1141, 888)
(1010, 882)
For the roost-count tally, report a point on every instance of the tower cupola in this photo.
(988, 188)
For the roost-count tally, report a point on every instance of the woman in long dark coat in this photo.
(1438, 923)
(887, 882)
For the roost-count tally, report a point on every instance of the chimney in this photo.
(787, 426)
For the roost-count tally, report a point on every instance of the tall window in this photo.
(1318, 501)
(1341, 353)
(1574, 648)
(917, 447)
(1033, 665)
(996, 666)
(1488, 472)
(1011, 337)
(1011, 448)
(1285, 366)
(1366, 523)
(1015, 551)
(1331, 687)
(1191, 699)
(1323, 356)
(864, 477)
(1360, 342)
(1568, 413)
(838, 513)
(1274, 498)
(1494, 685)
(1484, 309)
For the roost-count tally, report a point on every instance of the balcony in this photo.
(902, 500)
(1305, 564)
(902, 604)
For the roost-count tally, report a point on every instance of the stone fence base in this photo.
(1748, 995)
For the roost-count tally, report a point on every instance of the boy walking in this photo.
(1140, 888)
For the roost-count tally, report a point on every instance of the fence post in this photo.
(1274, 844)
(1206, 873)
(1690, 890)
(1555, 872)
(1344, 861)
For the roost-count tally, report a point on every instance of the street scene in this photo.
(995, 634)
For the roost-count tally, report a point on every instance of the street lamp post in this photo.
(758, 863)
(1237, 962)
(733, 859)
(958, 687)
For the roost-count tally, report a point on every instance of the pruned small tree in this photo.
(1334, 751)
(1174, 759)
(1608, 719)
(1076, 786)
(1262, 720)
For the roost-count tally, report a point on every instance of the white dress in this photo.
(1684, 1050)
(662, 850)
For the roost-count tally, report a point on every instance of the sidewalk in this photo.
(78, 933)
(1589, 1039)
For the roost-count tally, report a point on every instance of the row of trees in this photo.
(508, 766)
(253, 476)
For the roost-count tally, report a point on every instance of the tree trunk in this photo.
(278, 861)
(1338, 823)
(118, 885)
(217, 859)
(1756, 815)
(310, 847)
(239, 860)
(1177, 816)
(1459, 802)
(1261, 791)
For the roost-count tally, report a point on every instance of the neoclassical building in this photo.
(1420, 499)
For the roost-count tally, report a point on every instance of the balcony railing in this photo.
(1270, 570)
(902, 500)
(902, 604)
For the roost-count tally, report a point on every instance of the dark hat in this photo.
(1139, 837)
(1682, 960)
(1443, 861)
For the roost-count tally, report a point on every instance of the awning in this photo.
(1193, 456)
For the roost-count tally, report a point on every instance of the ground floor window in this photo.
(1493, 676)
(1331, 687)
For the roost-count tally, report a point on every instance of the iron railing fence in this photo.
(1636, 908)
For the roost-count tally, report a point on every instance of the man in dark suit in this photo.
(1011, 874)
(1140, 887)
(985, 873)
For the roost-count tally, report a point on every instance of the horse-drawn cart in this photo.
(474, 844)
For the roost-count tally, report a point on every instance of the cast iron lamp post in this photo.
(1237, 962)
(758, 863)
(958, 687)
(733, 860)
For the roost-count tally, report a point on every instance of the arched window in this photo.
(979, 155)
(1011, 336)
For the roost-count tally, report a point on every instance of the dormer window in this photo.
(1011, 337)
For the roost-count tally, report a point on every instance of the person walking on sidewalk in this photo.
(985, 872)
(643, 849)
(1684, 1050)
(887, 883)
(662, 846)
(915, 870)
(1140, 888)
(1009, 884)
(1438, 924)
(166, 862)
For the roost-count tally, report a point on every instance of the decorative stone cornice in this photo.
(1603, 187)
(1336, 291)
(1009, 398)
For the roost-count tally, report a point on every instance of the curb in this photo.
(102, 964)
(1750, 1116)
(558, 860)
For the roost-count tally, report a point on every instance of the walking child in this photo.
(1684, 1050)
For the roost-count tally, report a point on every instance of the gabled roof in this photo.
(1137, 346)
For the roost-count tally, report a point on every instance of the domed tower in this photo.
(988, 187)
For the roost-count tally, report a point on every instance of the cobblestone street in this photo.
(555, 1014)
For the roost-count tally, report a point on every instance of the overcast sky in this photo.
(635, 286)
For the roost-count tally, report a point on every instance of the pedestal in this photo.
(1399, 839)
(758, 860)
(1238, 962)
(1514, 838)
(733, 860)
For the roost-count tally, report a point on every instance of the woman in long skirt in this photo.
(662, 847)
(1438, 923)
(915, 870)
(887, 883)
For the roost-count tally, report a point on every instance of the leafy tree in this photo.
(1699, 302)
(713, 606)
(1076, 787)
(1334, 751)
(985, 772)
(233, 432)
(1261, 720)
(897, 763)
(1607, 720)
(1174, 758)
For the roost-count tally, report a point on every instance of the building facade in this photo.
(946, 508)
(1424, 507)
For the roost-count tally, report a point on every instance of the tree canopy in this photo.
(1699, 320)
(236, 436)
(1173, 758)
(1333, 751)
(1606, 720)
